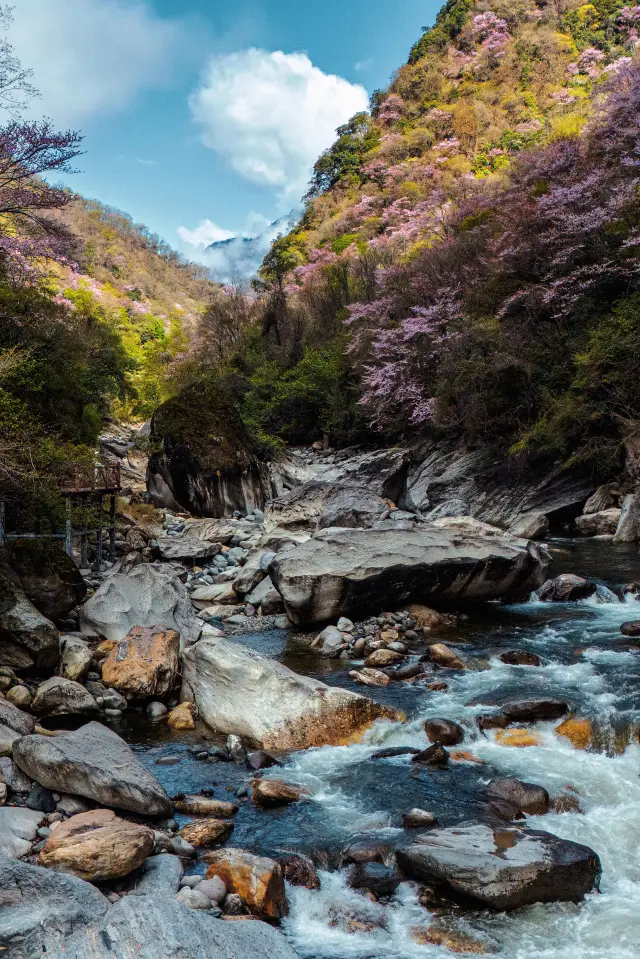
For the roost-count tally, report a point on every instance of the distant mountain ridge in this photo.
(239, 257)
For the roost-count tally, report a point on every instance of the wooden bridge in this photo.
(88, 484)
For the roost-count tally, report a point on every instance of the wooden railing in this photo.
(90, 479)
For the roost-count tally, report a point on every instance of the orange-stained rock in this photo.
(144, 663)
(183, 716)
(443, 656)
(518, 737)
(97, 845)
(579, 732)
(104, 648)
(207, 832)
(463, 756)
(273, 792)
(201, 806)
(383, 657)
(456, 942)
(425, 616)
(257, 880)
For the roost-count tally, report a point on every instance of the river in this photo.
(585, 661)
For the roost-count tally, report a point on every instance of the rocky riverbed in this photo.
(400, 781)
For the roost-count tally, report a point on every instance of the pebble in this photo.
(191, 881)
(43, 832)
(168, 761)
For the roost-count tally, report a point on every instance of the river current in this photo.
(585, 660)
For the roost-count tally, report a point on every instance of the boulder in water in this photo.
(519, 657)
(503, 868)
(207, 832)
(631, 628)
(628, 530)
(530, 526)
(342, 572)
(566, 588)
(95, 763)
(444, 731)
(604, 523)
(257, 880)
(273, 792)
(527, 797)
(240, 692)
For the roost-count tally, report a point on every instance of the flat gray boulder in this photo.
(36, 903)
(17, 831)
(57, 696)
(503, 868)
(160, 927)
(239, 692)
(353, 507)
(353, 572)
(15, 718)
(96, 763)
(150, 595)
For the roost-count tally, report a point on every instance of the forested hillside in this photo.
(468, 258)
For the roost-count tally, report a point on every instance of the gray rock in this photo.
(193, 899)
(18, 830)
(527, 797)
(565, 588)
(63, 697)
(76, 658)
(602, 499)
(267, 597)
(502, 868)
(329, 639)
(156, 710)
(214, 888)
(628, 530)
(159, 876)
(150, 595)
(252, 573)
(96, 763)
(603, 523)
(352, 508)
(16, 719)
(13, 776)
(7, 739)
(530, 526)
(168, 930)
(37, 903)
(419, 819)
(356, 572)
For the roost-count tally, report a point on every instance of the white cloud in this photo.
(92, 57)
(272, 114)
(205, 233)
(235, 256)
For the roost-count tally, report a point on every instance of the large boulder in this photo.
(356, 572)
(566, 588)
(603, 523)
(15, 718)
(352, 507)
(96, 763)
(97, 846)
(628, 530)
(145, 663)
(149, 595)
(36, 903)
(161, 927)
(208, 462)
(240, 692)
(50, 578)
(76, 658)
(257, 880)
(503, 867)
(27, 638)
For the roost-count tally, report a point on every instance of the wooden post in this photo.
(67, 539)
(112, 528)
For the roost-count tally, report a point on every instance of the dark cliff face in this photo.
(205, 461)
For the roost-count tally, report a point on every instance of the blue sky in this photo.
(196, 113)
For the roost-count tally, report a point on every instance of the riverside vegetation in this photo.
(332, 698)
